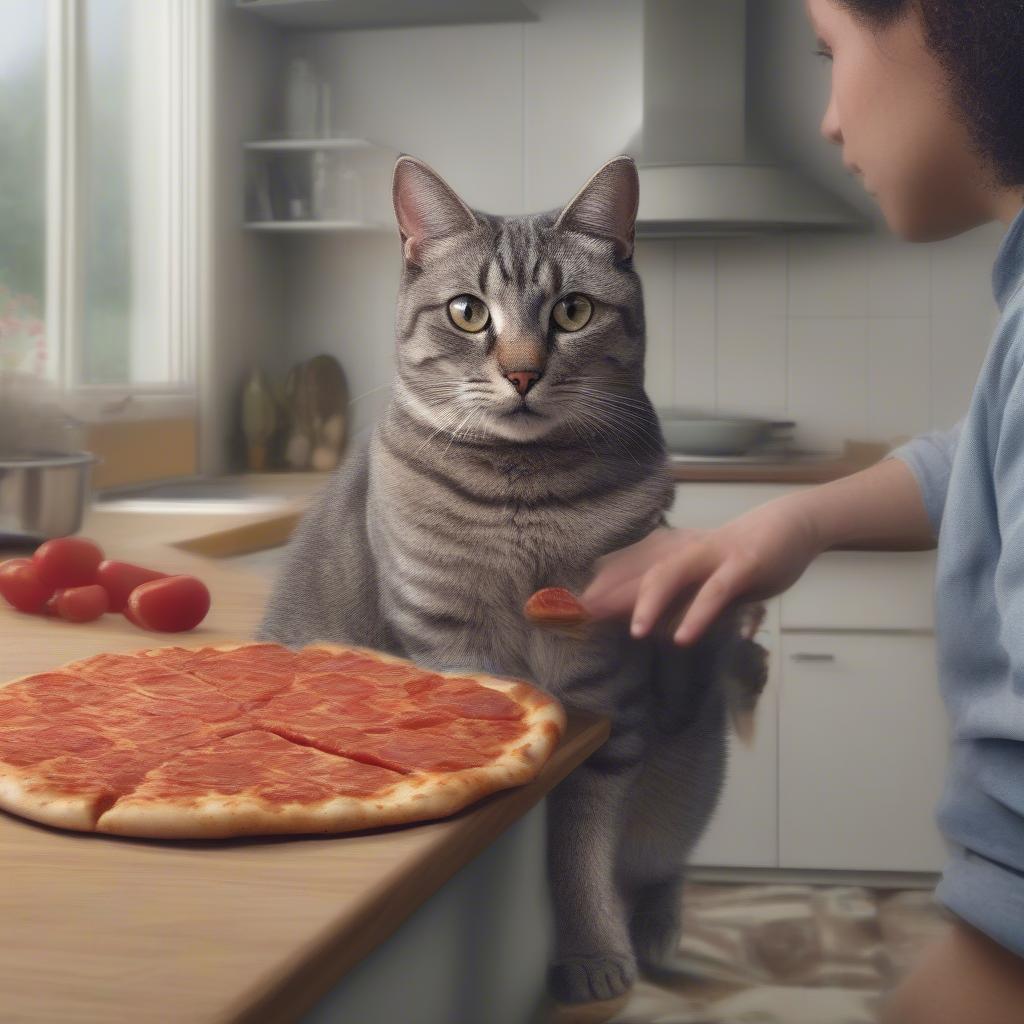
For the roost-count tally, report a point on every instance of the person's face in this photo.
(891, 111)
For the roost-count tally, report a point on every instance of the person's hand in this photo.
(755, 556)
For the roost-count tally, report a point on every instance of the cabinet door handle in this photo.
(808, 656)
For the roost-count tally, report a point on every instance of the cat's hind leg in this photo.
(669, 806)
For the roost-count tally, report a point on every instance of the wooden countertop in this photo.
(855, 456)
(107, 928)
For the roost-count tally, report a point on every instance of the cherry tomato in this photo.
(119, 579)
(82, 604)
(21, 586)
(171, 605)
(51, 603)
(130, 616)
(67, 561)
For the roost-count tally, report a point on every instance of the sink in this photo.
(265, 563)
(202, 497)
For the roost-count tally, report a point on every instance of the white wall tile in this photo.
(655, 263)
(899, 377)
(962, 287)
(899, 281)
(827, 275)
(957, 353)
(695, 319)
(752, 276)
(751, 364)
(827, 393)
(963, 317)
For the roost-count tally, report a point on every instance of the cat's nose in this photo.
(523, 379)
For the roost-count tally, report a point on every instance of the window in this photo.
(99, 195)
(23, 339)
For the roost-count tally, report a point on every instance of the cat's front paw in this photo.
(584, 979)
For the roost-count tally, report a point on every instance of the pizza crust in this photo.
(20, 795)
(419, 796)
(220, 816)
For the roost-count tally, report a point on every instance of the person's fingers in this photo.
(716, 593)
(662, 582)
(628, 564)
(614, 602)
(621, 566)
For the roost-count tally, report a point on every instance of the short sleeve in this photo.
(930, 458)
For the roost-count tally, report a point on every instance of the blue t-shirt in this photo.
(972, 482)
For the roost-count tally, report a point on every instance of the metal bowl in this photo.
(692, 433)
(43, 494)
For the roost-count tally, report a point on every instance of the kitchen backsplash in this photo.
(851, 336)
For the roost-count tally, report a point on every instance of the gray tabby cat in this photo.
(518, 447)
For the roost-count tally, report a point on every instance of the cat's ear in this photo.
(606, 206)
(426, 206)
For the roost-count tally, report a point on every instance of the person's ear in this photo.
(426, 207)
(606, 206)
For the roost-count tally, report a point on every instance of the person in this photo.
(927, 103)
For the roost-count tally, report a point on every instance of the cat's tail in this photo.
(745, 672)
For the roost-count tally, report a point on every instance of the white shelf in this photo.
(353, 14)
(317, 225)
(305, 145)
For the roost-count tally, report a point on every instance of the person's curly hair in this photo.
(980, 45)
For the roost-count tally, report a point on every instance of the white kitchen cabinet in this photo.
(744, 829)
(852, 737)
(875, 590)
(862, 752)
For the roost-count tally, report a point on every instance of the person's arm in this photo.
(894, 505)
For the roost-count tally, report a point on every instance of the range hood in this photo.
(701, 170)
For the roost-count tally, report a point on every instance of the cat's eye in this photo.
(572, 312)
(468, 313)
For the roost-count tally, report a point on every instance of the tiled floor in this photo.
(783, 954)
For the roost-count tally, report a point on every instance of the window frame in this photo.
(186, 210)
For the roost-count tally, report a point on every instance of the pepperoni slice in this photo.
(37, 743)
(419, 749)
(251, 685)
(335, 685)
(471, 701)
(423, 682)
(555, 605)
(113, 667)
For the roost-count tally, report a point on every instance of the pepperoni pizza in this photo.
(257, 739)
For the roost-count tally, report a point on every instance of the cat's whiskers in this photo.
(606, 395)
(366, 394)
(475, 410)
(607, 413)
(590, 415)
(619, 411)
(620, 429)
(447, 416)
(571, 417)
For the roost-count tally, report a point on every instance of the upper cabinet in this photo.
(351, 14)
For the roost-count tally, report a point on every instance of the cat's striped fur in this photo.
(446, 517)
